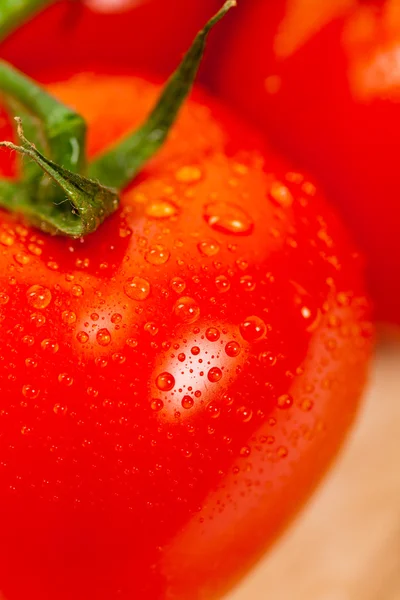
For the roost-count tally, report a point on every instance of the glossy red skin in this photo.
(101, 496)
(333, 104)
(150, 36)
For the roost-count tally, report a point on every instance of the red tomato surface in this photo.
(150, 35)
(174, 385)
(323, 79)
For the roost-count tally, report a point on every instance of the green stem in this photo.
(63, 129)
(119, 166)
(15, 12)
(77, 205)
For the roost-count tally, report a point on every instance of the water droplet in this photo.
(222, 283)
(181, 357)
(245, 451)
(103, 337)
(137, 288)
(281, 195)
(284, 401)
(65, 379)
(253, 329)
(232, 349)
(282, 451)
(52, 265)
(118, 358)
(29, 340)
(116, 318)
(4, 298)
(30, 392)
(82, 337)
(247, 283)
(208, 247)
(157, 255)
(68, 317)
(212, 334)
(214, 410)
(6, 238)
(151, 328)
(165, 382)
(214, 374)
(187, 402)
(228, 218)
(59, 409)
(177, 284)
(161, 209)
(50, 346)
(77, 290)
(306, 404)
(35, 249)
(188, 174)
(195, 350)
(245, 414)
(267, 358)
(132, 343)
(186, 309)
(31, 362)
(37, 319)
(38, 296)
(156, 404)
(22, 258)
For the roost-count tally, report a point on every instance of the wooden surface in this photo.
(346, 543)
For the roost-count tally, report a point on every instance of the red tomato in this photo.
(324, 82)
(149, 34)
(175, 384)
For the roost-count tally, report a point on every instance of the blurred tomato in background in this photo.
(150, 35)
(322, 78)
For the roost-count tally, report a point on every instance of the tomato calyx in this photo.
(55, 140)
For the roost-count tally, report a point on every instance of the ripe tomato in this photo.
(149, 34)
(324, 83)
(175, 384)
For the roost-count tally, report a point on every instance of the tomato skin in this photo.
(224, 270)
(324, 85)
(151, 35)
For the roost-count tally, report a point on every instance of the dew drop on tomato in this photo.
(232, 349)
(187, 402)
(68, 317)
(208, 247)
(244, 414)
(161, 209)
(253, 329)
(214, 374)
(38, 296)
(157, 255)
(177, 284)
(82, 337)
(222, 284)
(186, 309)
(77, 290)
(156, 405)
(212, 334)
(50, 346)
(284, 401)
(30, 392)
(137, 288)
(228, 218)
(165, 381)
(103, 337)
